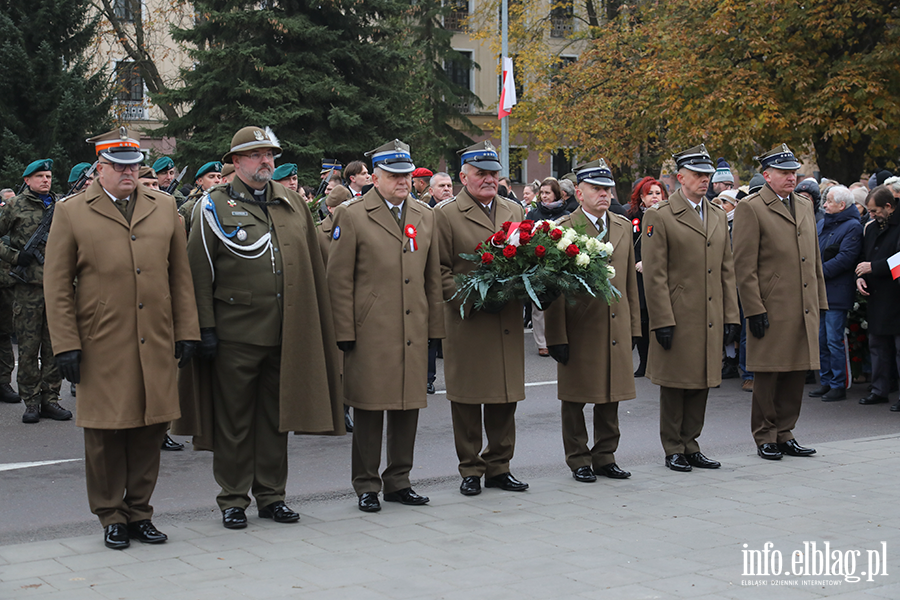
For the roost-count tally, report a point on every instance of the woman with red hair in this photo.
(646, 193)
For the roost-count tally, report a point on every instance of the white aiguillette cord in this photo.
(211, 218)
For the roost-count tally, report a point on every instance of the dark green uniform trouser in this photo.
(366, 455)
(7, 358)
(681, 416)
(500, 430)
(36, 382)
(249, 453)
(121, 467)
(575, 435)
(776, 405)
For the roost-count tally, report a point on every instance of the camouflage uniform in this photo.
(38, 383)
(187, 207)
(7, 358)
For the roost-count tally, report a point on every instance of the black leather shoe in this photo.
(677, 462)
(584, 475)
(769, 451)
(348, 420)
(279, 512)
(820, 391)
(834, 395)
(701, 462)
(32, 414)
(429, 389)
(895, 407)
(171, 445)
(144, 531)
(368, 502)
(612, 471)
(506, 482)
(873, 398)
(470, 486)
(406, 496)
(234, 518)
(52, 410)
(116, 536)
(9, 395)
(792, 448)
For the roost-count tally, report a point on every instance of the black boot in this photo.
(9, 395)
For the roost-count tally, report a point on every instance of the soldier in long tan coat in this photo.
(779, 276)
(384, 275)
(484, 354)
(591, 339)
(116, 332)
(266, 329)
(692, 302)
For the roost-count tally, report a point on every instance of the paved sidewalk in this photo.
(658, 535)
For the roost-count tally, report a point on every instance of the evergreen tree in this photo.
(330, 77)
(51, 101)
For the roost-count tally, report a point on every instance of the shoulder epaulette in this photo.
(425, 204)
(447, 201)
(352, 201)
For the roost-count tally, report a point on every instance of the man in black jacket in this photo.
(881, 240)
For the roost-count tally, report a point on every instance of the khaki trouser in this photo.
(121, 467)
(681, 416)
(776, 405)
(500, 429)
(249, 453)
(366, 455)
(575, 435)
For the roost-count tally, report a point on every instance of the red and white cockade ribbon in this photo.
(410, 232)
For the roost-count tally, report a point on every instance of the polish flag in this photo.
(508, 93)
(894, 265)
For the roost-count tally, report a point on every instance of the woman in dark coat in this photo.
(645, 194)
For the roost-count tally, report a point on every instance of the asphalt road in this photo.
(49, 500)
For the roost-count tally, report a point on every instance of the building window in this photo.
(561, 162)
(518, 164)
(557, 77)
(456, 15)
(460, 73)
(124, 9)
(562, 19)
(130, 91)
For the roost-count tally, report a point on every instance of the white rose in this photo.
(563, 244)
(593, 245)
(582, 259)
(864, 324)
(611, 271)
(608, 247)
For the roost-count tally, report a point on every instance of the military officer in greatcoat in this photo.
(268, 357)
(116, 332)
(692, 302)
(591, 339)
(384, 275)
(484, 353)
(39, 382)
(782, 288)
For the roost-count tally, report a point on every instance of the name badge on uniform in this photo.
(337, 233)
(240, 213)
(241, 235)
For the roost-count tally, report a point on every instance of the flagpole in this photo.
(504, 122)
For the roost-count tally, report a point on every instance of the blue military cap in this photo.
(284, 171)
(393, 157)
(482, 155)
(210, 167)
(43, 164)
(595, 172)
(331, 163)
(163, 164)
(77, 170)
(695, 159)
(779, 157)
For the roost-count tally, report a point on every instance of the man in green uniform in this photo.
(165, 171)
(260, 282)
(76, 173)
(286, 175)
(7, 330)
(207, 176)
(39, 384)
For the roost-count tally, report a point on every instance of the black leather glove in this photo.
(68, 364)
(634, 341)
(185, 351)
(209, 342)
(559, 353)
(732, 333)
(664, 336)
(24, 259)
(346, 346)
(758, 325)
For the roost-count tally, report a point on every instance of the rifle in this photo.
(35, 243)
(81, 179)
(319, 198)
(175, 181)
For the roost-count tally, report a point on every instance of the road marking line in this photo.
(40, 463)
(532, 384)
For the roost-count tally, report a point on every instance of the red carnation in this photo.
(505, 227)
(540, 251)
(525, 236)
(509, 251)
(545, 227)
(487, 258)
(499, 237)
(854, 327)
(572, 250)
(555, 234)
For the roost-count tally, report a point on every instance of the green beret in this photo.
(210, 167)
(284, 171)
(44, 164)
(77, 170)
(163, 164)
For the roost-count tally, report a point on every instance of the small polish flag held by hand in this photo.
(894, 265)
(508, 93)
